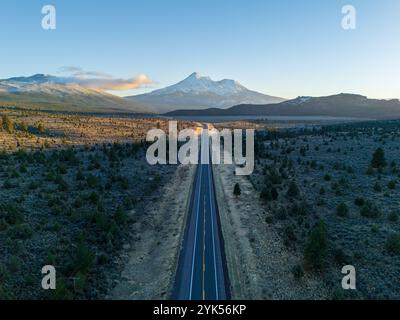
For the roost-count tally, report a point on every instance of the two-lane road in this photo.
(201, 271)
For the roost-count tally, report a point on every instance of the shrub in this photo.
(269, 219)
(393, 244)
(6, 294)
(112, 231)
(41, 128)
(94, 197)
(316, 246)
(62, 292)
(378, 159)
(342, 210)
(50, 176)
(300, 209)
(79, 175)
(236, 190)
(50, 259)
(100, 220)
(80, 282)
(62, 168)
(7, 124)
(327, 177)
(370, 210)
(124, 183)
(374, 229)
(62, 185)
(21, 231)
(370, 170)
(120, 216)
(103, 258)
(269, 192)
(4, 273)
(359, 201)
(11, 213)
(274, 177)
(78, 202)
(83, 259)
(377, 187)
(3, 225)
(8, 184)
(340, 256)
(33, 185)
(393, 216)
(23, 169)
(293, 190)
(281, 213)
(298, 271)
(92, 181)
(392, 185)
(290, 235)
(14, 264)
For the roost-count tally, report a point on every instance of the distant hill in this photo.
(56, 93)
(197, 92)
(341, 105)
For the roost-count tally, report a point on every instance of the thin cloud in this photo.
(78, 72)
(103, 81)
(116, 84)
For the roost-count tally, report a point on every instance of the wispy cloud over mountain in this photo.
(81, 73)
(101, 80)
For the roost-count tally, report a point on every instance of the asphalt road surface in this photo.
(201, 273)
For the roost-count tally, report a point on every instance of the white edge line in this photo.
(212, 232)
(195, 235)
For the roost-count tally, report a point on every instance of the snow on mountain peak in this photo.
(195, 83)
(300, 100)
(197, 76)
(41, 83)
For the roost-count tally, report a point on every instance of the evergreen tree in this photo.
(236, 190)
(378, 159)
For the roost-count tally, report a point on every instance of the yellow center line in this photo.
(204, 246)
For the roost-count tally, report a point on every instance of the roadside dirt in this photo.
(259, 264)
(150, 261)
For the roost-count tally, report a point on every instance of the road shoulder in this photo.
(151, 260)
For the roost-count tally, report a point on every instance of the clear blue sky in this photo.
(280, 47)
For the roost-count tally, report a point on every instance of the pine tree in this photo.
(378, 159)
(236, 190)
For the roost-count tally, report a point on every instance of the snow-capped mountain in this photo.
(197, 92)
(59, 93)
(197, 84)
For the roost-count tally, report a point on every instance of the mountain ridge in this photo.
(340, 105)
(59, 93)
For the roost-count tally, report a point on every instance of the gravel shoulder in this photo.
(150, 260)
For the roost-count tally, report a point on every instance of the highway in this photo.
(201, 272)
